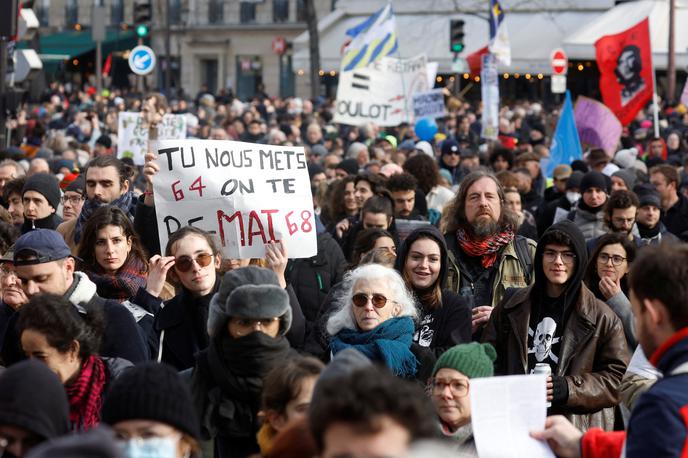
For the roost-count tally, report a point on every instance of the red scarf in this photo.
(85, 395)
(487, 247)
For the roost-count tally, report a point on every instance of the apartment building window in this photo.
(247, 12)
(175, 12)
(300, 11)
(71, 13)
(280, 10)
(216, 11)
(117, 12)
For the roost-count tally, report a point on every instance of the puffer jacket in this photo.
(592, 225)
(510, 270)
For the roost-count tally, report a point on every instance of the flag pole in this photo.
(655, 106)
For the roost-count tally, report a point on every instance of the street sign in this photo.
(559, 61)
(279, 45)
(459, 65)
(558, 84)
(142, 60)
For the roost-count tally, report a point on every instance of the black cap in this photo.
(450, 146)
(46, 185)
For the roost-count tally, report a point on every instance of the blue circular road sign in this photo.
(142, 60)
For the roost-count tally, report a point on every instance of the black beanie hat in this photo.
(33, 398)
(46, 185)
(151, 391)
(350, 166)
(594, 179)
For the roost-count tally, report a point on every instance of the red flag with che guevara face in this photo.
(625, 63)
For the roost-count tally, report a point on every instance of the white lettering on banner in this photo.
(132, 139)
(429, 104)
(246, 194)
(382, 92)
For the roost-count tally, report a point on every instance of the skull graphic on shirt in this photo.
(543, 339)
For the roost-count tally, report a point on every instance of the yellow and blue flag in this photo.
(499, 37)
(372, 39)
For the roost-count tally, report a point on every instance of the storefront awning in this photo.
(65, 45)
(533, 35)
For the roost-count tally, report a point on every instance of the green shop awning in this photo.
(65, 45)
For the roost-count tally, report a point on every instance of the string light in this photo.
(540, 76)
(517, 76)
(438, 79)
(580, 67)
(476, 79)
(506, 76)
(333, 73)
(466, 76)
(527, 76)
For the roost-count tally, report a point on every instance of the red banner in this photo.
(625, 63)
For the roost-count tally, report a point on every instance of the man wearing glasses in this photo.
(558, 322)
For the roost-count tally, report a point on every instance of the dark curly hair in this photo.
(59, 321)
(592, 278)
(364, 397)
(402, 182)
(335, 207)
(426, 171)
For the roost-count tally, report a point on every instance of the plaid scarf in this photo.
(487, 248)
(91, 205)
(86, 394)
(122, 285)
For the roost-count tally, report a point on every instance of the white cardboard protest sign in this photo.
(132, 135)
(429, 104)
(382, 92)
(246, 194)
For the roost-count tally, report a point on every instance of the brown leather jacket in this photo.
(593, 355)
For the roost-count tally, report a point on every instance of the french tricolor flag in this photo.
(499, 38)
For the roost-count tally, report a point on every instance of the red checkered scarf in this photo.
(487, 248)
(85, 395)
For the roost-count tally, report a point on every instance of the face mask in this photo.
(572, 197)
(156, 447)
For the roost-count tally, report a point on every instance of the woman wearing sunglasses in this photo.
(375, 314)
(191, 260)
(607, 277)
(445, 317)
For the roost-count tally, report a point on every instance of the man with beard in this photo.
(107, 183)
(485, 255)
(619, 214)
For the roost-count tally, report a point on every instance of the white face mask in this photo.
(572, 197)
(155, 447)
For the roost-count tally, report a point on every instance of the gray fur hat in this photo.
(249, 292)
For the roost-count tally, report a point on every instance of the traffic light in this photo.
(142, 18)
(456, 35)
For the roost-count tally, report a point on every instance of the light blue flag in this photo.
(566, 146)
(371, 40)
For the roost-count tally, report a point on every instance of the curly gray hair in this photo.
(343, 317)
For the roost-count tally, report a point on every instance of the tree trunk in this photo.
(314, 48)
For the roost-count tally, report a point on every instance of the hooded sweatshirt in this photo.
(549, 314)
(448, 323)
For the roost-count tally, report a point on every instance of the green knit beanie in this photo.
(474, 360)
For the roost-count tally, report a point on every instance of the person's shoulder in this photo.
(65, 227)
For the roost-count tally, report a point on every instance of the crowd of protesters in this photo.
(438, 261)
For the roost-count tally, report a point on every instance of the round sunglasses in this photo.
(185, 263)
(361, 299)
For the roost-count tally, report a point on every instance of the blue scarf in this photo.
(389, 342)
(91, 205)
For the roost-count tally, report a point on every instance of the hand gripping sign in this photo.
(246, 194)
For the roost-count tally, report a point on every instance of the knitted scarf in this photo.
(122, 285)
(91, 205)
(86, 394)
(389, 343)
(487, 248)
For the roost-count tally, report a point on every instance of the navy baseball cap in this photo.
(40, 245)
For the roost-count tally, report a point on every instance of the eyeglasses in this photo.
(604, 258)
(567, 257)
(185, 263)
(361, 300)
(458, 388)
(73, 200)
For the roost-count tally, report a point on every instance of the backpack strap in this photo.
(523, 254)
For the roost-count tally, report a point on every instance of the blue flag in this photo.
(566, 146)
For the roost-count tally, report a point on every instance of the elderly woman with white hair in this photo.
(376, 314)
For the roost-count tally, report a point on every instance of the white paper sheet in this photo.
(504, 410)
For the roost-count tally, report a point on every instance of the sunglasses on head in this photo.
(185, 263)
(360, 300)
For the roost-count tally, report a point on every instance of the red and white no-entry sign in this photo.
(559, 61)
(279, 45)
